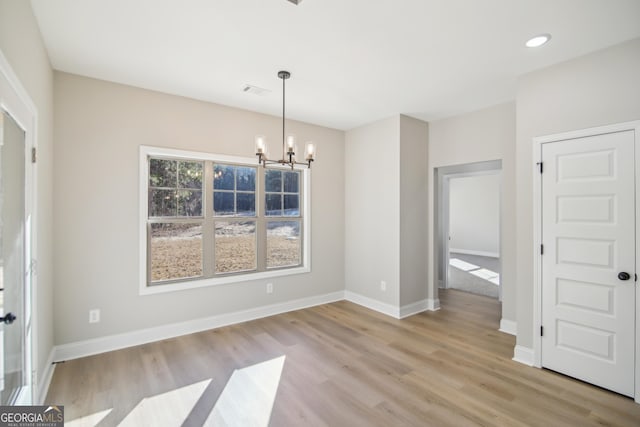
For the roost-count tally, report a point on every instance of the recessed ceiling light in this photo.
(538, 40)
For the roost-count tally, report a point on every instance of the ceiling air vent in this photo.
(255, 90)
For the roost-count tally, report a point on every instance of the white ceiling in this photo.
(352, 61)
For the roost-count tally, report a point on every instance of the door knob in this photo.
(8, 319)
(624, 276)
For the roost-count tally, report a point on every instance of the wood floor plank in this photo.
(346, 365)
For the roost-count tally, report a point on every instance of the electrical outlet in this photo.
(269, 288)
(383, 285)
(94, 315)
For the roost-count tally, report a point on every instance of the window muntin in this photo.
(175, 188)
(234, 190)
(242, 220)
(282, 192)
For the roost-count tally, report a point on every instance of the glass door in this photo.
(13, 264)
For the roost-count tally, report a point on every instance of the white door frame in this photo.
(446, 217)
(537, 231)
(441, 221)
(16, 101)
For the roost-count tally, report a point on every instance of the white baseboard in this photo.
(373, 304)
(116, 342)
(391, 310)
(508, 326)
(414, 308)
(472, 252)
(94, 346)
(44, 381)
(523, 355)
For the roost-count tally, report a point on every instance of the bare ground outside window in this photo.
(176, 249)
(235, 244)
(232, 253)
(283, 244)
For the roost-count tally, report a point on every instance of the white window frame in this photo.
(145, 289)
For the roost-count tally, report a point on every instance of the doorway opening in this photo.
(474, 233)
(467, 227)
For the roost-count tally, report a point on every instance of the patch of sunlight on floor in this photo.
(170, 408)
(89, 420)
(488, 275)
(462, 265)
(247, 399)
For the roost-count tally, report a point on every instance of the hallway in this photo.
(476, 274)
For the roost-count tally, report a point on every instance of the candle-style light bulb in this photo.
(310, 152)
(260, 144)
(291, 144)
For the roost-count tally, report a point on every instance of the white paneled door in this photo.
(588, 261)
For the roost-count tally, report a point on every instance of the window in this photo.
(282, 201)
(234, 196)
(217, 219)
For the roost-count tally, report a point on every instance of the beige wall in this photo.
(597, 89)
(414, 136)
(99, 128)
(474, 214)
(386, 210)
(22, 45)
(372, 216)
(483, 135)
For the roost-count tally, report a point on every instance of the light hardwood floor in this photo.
(349, 366)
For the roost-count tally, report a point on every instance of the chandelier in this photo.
(288, 143)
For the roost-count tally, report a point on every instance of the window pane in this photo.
(291, 206)
(246, 179)
(176, 251)
(223, 177)
(223, 203)
(283, 244)
(291, 182)
(162, 173)
(246, 204)
(189, 203)
(273, 204)
(235, 244)
(162, 203)
(273, 180)
(190, 175)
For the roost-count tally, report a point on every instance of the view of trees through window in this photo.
(252, 222)
(175, 197)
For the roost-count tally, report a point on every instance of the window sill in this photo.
(217, 281)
